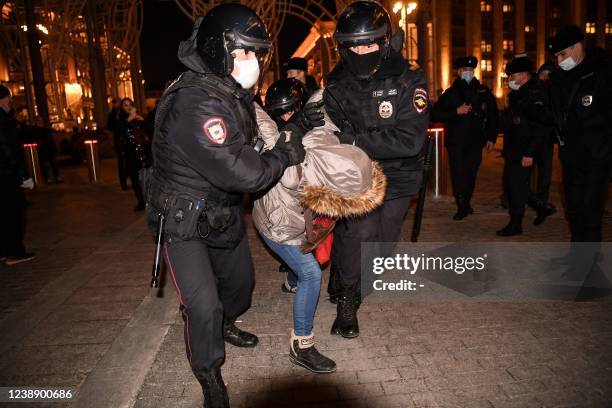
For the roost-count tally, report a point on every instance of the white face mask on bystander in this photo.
(568, 64)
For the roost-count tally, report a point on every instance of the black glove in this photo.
(293, 147)
(309, 117)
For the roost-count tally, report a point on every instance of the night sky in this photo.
(165, 26)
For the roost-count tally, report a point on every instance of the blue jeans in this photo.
(308, 274)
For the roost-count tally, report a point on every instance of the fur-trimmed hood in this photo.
(324, 200)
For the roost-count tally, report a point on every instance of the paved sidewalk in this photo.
(82, 316)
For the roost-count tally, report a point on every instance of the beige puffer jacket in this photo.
(334, 180)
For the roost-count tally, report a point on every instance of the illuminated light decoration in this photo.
(591, 28)
(91, 142)
(42, 28)
(30, 145)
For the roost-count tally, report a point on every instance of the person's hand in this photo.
(310, 117)
(527, 161)
(489, 146)
(290, 143)
(464, 109)
(29, 184)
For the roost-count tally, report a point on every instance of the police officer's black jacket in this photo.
(202, 147)
(581, 101)
(477, 127)
(525, 121)
(12, 170)
(387, 116)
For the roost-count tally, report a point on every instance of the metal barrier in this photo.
(31, 155)
(439, 172)
(93, 160)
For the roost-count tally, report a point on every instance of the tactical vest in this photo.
(171, 173)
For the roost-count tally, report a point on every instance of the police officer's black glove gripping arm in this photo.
(219, 153)
(407, 137)
(310, 117)
(289, 143)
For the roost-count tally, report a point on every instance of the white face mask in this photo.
(514, 86)
(467, 76)
(568, 64)
(248, 72)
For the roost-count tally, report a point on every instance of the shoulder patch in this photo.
(420, 100)
(215, 130)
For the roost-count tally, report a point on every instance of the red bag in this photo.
(319, 236)
(322, 252)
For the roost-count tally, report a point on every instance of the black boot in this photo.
(302, 352)
(236, 337)
(543, 210)
(462, 208)
(333, 286)
(468, 205)
(213, 387)
(346, 324)
(514, 227)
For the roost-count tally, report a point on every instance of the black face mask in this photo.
(363, 66)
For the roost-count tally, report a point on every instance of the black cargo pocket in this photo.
(222, 227)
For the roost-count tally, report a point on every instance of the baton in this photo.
(161, 224)
(427, 164)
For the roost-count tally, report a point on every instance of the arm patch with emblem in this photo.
(420, 100)
(215, 130)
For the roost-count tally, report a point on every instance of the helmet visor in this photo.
(346, 40)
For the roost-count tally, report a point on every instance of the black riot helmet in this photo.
(228, 27)
(285, 95)
(363, 23)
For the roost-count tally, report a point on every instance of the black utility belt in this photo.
(189, 217)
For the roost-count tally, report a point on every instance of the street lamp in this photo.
(405, 8)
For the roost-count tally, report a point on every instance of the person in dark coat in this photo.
(112, 125)
(543, 162)
(381, 105)
(469, 112)
(206, 155)
(524, 134)
(47, 150)
(581, 101)
(298, 68)
(132, 143)
(13, 179)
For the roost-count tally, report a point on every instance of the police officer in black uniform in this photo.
(469, 112)
(543, 162)
(381, 105)
(204, 158)
(524, 134)
(581, 100)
